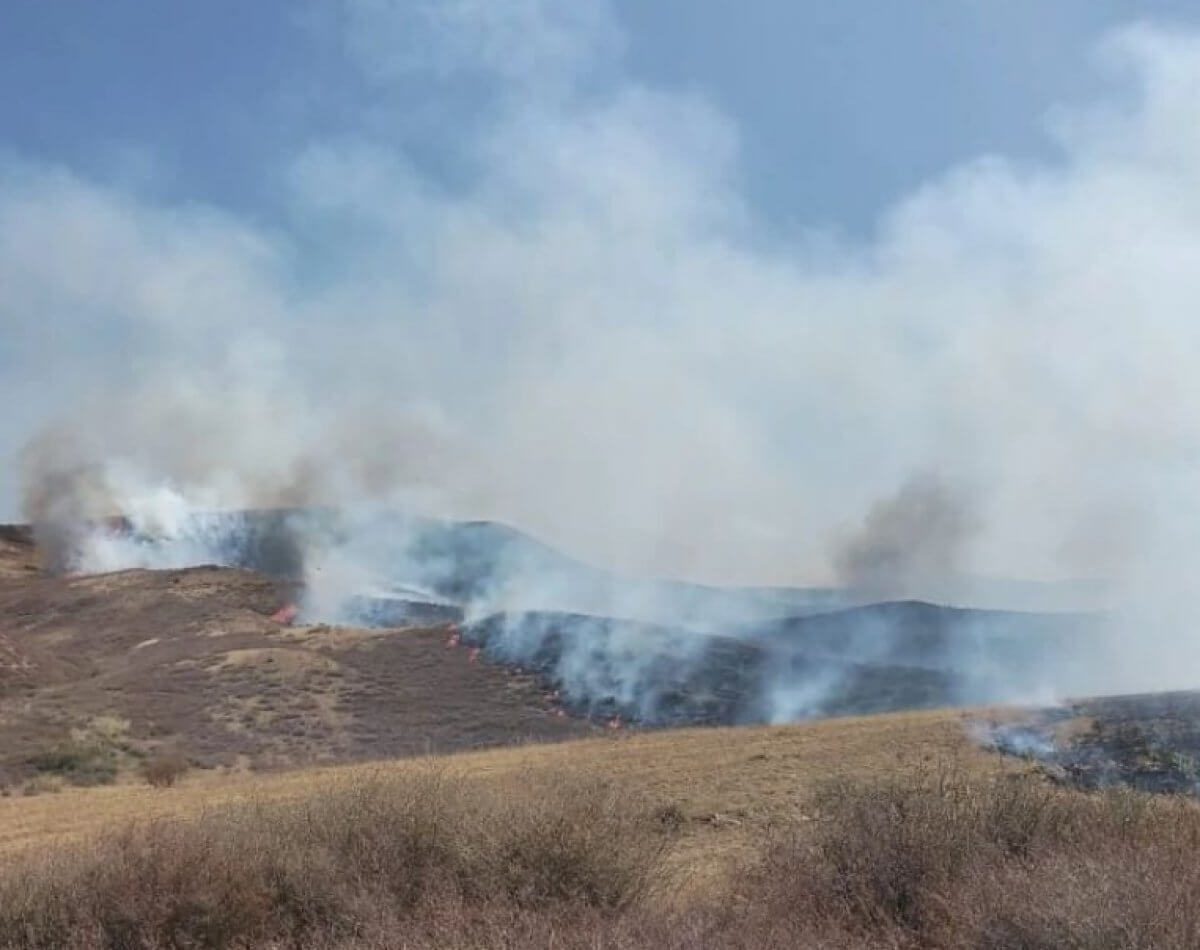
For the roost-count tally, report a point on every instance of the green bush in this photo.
(79, 762)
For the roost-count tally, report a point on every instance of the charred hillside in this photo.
(656, 651)
(877, 658)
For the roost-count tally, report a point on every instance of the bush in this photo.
(941, 861)
(377, 855)
(949, 861)
(41, 785)
(164, 769)
(79, 762)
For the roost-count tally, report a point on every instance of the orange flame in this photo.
(286, 614)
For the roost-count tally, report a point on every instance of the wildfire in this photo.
(286, 614)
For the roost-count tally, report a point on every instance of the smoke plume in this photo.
(589, 333)
(909, 542)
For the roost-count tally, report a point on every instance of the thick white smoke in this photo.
(596, 340)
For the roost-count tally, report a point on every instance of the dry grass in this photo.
(944, 860)
(423, 858)
(725, 782)
(370, 857)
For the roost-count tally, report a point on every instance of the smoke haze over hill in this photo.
(592, 336)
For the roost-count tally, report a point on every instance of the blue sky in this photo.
(681, 290)
(840, 107)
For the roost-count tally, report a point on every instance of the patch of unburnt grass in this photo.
(337, 864)
(945, 860)
(425, 859)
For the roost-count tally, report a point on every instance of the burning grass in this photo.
(1149, 742)
(939, 858)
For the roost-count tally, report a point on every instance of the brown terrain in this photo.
(98, 673)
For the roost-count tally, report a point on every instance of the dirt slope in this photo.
(190, 660)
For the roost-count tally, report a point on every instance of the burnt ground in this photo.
(121, 665)
(696, 655)
(1149, 742)
(191, 660)
(675, 677)
(857, 661)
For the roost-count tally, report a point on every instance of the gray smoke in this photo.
(63, 491)
(911, 542)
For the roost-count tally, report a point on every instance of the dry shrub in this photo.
(1129, 880)
(426, 860)
(945, 860)
(41, 785)
(380, 856)
(164, 769)
(574, 928)
(586, 841)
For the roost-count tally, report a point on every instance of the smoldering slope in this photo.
(595, 339)
(653, 651)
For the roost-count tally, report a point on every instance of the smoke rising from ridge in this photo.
(593, 338)
(912, 540)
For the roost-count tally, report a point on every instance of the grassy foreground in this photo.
(423, 860)
(822, 837)
(725, 780)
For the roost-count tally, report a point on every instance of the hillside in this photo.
(101, 670)
(105, 669)
(854, 661)
(653, 651)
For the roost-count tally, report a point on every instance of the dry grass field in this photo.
(848, 834)
(725, 782)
